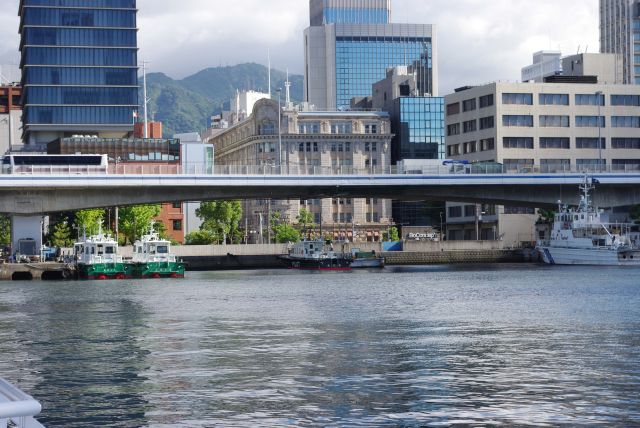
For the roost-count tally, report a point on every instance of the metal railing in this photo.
(17, 408)
(304, 170)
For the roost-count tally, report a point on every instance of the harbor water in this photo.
(420, 346)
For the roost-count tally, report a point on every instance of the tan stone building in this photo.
(312, 142)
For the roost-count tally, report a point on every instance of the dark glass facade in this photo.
(325, 12)
(418, 125)
(79, 64)
(362, 61)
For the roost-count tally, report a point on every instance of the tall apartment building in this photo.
(620, 34)
(350, 45)
(79, 68)
(541, 127)
(312, 143)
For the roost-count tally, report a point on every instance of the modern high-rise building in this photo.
(350, 44)
(620, 34)
(79, 68)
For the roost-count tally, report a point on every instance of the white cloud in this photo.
(479, 40)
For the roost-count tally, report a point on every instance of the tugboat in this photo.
(584, 237)
(152, 258)
(97, 258)
(316, 255)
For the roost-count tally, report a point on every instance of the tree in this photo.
(135, 221)
(89, 221)
(5, 230)
(61, 235)
(221, 219)
(199, 238)
(305, 218)
(391, 235)
(545, 216)
(284, 232)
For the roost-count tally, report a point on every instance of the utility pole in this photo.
(599, 101)
(144, 90)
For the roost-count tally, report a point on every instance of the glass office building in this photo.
(418, 125)
(363, 61)
(620, 34)
(324, 12)
(79, 67)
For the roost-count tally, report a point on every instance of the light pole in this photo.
(279, 133)
(599, 101)
(441, 227)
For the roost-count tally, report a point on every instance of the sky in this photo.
(479, 41)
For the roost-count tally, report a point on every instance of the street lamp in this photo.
(599, 101)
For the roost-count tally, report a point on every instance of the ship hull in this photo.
(158, 270)
(318, 264)
(368, 263)
(104, 271)
(589, 257)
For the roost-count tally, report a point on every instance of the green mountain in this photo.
(187, 105)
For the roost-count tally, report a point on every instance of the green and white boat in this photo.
(152, 258)
(97, 258)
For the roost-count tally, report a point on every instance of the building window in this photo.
(589, 121)
(469, 126)
(308, 147)
(315, 147)
(590, 143)
(309, 128)
(554, 99)
(555, 165)
(453, 129)
(176, 205)
(590, 165)
(487, 144)
(301, 147)
(519, 210)
(455, 212)
(487, 122)
(518, 165)
(371, 128)
(469, 210)
(625, 164)
(517, 99)
(517, 143)
(347, 147)
(486, 101)
(625, 143)
(469, 105)
(554, 121)
(453, 109)
(517, 120)
(625, 100)
(177, 224)
(589, 99)
(555, 143)
(625, 121)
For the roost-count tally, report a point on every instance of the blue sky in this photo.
(479, 40)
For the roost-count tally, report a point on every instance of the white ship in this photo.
(583, 237)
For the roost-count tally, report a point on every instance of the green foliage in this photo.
(89, 221)
(135, 221)
(545, 216)
(186, 105)
(221, 219)
(5, 230)
(286, 233)
(199, 238)
(391, 235)
(305, 218)
(61, 235)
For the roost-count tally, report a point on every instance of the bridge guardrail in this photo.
(304, 170)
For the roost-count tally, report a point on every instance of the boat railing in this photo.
(17, 409)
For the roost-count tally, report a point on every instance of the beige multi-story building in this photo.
(312, 142)
(536, 127)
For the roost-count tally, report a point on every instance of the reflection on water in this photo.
(420, 346)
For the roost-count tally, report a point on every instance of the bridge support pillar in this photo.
(26, 234)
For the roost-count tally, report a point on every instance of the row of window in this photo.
(560, 121)
(80, 18)
(336, 128)
(543, 99)
(565, 143)
(81, 76)
(79, 115)
(113, 4)
(471, 147)
(79, 37)
(97, 57)
(344, 15)
(561, 165)
(81, 95)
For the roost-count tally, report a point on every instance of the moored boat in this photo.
(584, 236)
(366, 260)
(316, 255)
(152, 258)
(97, 258)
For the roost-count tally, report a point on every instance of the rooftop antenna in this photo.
(269, 72)
(586, 49)
(577, 53)
(287, 86)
